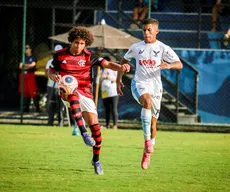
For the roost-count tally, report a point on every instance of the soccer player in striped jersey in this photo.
(77, 61)
(151, 57)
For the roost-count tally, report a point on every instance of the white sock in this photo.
(153, 140)
(146, 123)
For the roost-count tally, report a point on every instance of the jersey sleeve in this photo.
(169, 55)
(55, 66)
(35, 59)
(96, 60)
(130, 54)
(49, 62)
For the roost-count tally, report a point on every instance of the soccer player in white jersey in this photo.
(151, 57)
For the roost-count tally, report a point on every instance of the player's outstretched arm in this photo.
(175, 65)
(119, 78)
(117, 67)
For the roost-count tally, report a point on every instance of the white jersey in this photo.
(109, 86)
(147, 78)
(148, 58)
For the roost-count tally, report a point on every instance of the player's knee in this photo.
(95, 128)
(147, 102)
(96, 133)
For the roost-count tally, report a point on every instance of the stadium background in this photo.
(199, 93)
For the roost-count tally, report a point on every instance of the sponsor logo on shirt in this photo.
(148, 62)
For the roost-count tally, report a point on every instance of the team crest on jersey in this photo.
(156, 53)
(81, 63)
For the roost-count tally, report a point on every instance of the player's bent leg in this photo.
(77, 114)
(85, 135)
(75, 130)
(88, 139)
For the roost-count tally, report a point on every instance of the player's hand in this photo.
(165, 65)
(56, 77)
(125, 68)
(119, 85)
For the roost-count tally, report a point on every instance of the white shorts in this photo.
(154, 89)
(86, 104)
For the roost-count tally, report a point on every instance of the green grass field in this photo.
(40, 158)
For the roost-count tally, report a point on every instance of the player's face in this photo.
(78, 45)
(150, 32)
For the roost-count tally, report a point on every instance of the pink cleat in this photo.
(145, 160)
(148, 146)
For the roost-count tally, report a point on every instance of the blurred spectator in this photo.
(227, 37)
(109, 95)
(30, 86)
(140, 11)
(206, 5)
(222, 7)
(54, 103)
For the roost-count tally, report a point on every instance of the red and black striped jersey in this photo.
(79, 66)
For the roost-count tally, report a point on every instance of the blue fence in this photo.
(179, 30)
(214, 83)
(213, 86)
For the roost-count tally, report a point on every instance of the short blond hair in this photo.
(150, 21)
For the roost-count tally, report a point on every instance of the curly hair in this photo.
(81, 32)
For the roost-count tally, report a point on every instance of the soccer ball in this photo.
(67, 85)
